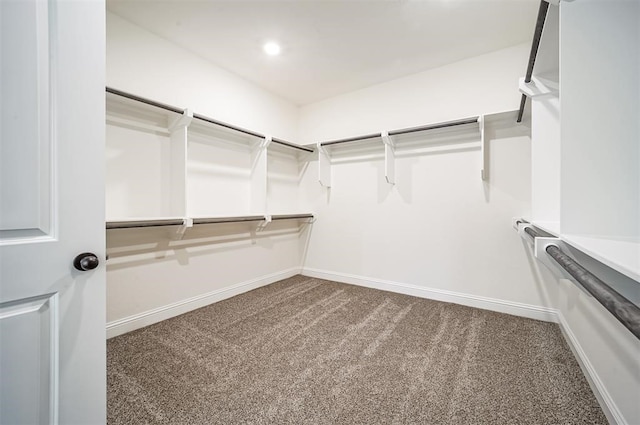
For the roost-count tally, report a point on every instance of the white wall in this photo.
(440, 227)
(479, 85)
(600, 64)
(150, 274)
(146, 65)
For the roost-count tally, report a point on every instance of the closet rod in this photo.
(351, 139)
(531, 232)
(145, 100)
(290, 216)
(537, 35)
(144, 223)
(621, 308)
(229, 126)
(434, 126)
(291, 145)
(218, 220)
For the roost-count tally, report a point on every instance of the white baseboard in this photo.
(609, 407)
(485, 303)
(146, 318)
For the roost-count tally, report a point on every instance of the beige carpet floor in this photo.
(309, 351)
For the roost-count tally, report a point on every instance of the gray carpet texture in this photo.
(311, 351)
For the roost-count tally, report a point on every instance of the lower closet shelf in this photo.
(186, 221)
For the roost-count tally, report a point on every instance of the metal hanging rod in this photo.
(145, 100)
(290, 216)
(405, 131)
(229, 126)
(291, 145)
(130, 224)
(202, 118)
(435, 126)
(537, 35)
(219, 220)
(351, 139)
(531, 232)
(144, 223)
(621, 308)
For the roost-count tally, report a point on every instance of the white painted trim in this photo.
(137, 321)
(609, 407)
(509, 307)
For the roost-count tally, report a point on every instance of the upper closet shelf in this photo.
(434, 136)
(161, 117)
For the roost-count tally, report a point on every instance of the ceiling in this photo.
(333, 47)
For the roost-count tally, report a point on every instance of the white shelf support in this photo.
(324, 166)
(176, 203)
(263, 224)
(187, 223)
(389, 158)
(259, 160)
(484, 152)
(539, 87)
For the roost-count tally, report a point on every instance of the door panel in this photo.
(28, 360)
(25, 173)
(52, 317)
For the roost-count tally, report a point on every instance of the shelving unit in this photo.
(446, 136)
(544, 95)
(582, 146)
(182, 168)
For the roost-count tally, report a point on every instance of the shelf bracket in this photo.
(539, 87)
(263, 224)
(389, 158)
(259, 175)
(324, 166)
(540, 251)
(181, 121)
(186, 224)
(484, 152)
(176, 203)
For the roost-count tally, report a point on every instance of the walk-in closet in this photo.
(320, 212)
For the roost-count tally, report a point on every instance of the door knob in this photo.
(86, 261)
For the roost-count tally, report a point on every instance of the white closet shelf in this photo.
(137, 107)
(283, 143)
(622, 255)
(551, 227)
(462, 132)
(407, 133)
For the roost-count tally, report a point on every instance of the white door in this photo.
(52, 316)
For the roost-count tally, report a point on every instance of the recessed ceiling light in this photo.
(271, 48)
